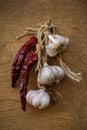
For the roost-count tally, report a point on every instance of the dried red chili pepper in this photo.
(19, 58)
(29, 61)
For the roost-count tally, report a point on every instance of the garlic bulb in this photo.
(38, 98)
(56, 44)
(50, 74)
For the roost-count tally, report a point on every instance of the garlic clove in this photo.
(38, 98)
(61, 71)
(35, 101)
(44, 102)
(45, 77)
(30, 95)
(58, 39)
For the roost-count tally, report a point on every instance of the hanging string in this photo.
(28, 31)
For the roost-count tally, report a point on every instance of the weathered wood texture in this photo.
(70, 18)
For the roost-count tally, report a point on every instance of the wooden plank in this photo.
(70, 18)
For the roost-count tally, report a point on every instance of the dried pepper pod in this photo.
(19, 58)
(29, 61)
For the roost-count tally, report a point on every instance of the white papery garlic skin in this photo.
(56, 44)
(38, 98)
(50, 74)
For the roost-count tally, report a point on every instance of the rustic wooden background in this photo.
(70, 18)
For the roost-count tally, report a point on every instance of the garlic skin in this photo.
(38, 98)
(56, 44)
(50, 74)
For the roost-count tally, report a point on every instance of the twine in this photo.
(74, 76)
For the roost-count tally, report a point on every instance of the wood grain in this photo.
(70, 18)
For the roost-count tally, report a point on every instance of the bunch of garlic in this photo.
(56, 44)
(49, 44)
(38, 98)
(50, 74)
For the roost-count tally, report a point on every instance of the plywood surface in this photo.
(70, 18)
